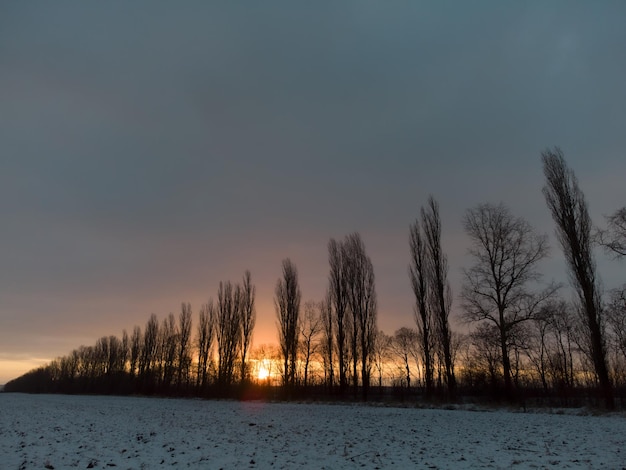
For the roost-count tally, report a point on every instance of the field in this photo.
(55, 431)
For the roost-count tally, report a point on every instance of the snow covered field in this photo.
(55, 431)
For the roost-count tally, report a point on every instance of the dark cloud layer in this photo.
(149, 150)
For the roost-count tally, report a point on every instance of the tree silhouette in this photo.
(248, 320)
(204, 343)
(506, 251)
(149, 353)
(363, 305)
(228, 330)
(338, 291)
(287, 302)
(328, 340)
(418, 274)
(310, 327)
(184, 345)
(403, 344)
(135, 350)
(440, 295)
(567, 204)
(614, 237)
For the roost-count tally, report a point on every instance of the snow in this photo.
(56, 431)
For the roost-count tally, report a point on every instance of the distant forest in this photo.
(527, 344)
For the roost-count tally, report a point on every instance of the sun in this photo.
(263, 372)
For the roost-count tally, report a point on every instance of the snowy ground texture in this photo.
(65, 432)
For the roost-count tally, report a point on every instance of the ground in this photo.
(64, 432)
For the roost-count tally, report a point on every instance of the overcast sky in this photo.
(149, 149)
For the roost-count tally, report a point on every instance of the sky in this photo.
(149, 150)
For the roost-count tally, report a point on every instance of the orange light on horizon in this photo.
(264, 370)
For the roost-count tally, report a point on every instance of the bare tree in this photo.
(506, 251)
(149, 349)
(616, 321)
(135, 350)
(204, 342)
(69, 367)
(563, 331)
(310, 327)
(552, 347)
(617, 318)
(248, 320)
(486, 356)
(102, 357)
(328, 341)
(567, 204)
(287, 302)
(183, 360)
(418, 273)
(614, 237)
(403, 344)
(537, 346)
(382, 346)
(228, 333)
(338, 291)
(125, 350)
(363, 305)
(350, 267)
(117, 355)
(168, 346)
(440, 296)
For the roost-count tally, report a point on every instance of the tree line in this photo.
(525, 340)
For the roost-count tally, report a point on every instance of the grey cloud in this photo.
(148, 147)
